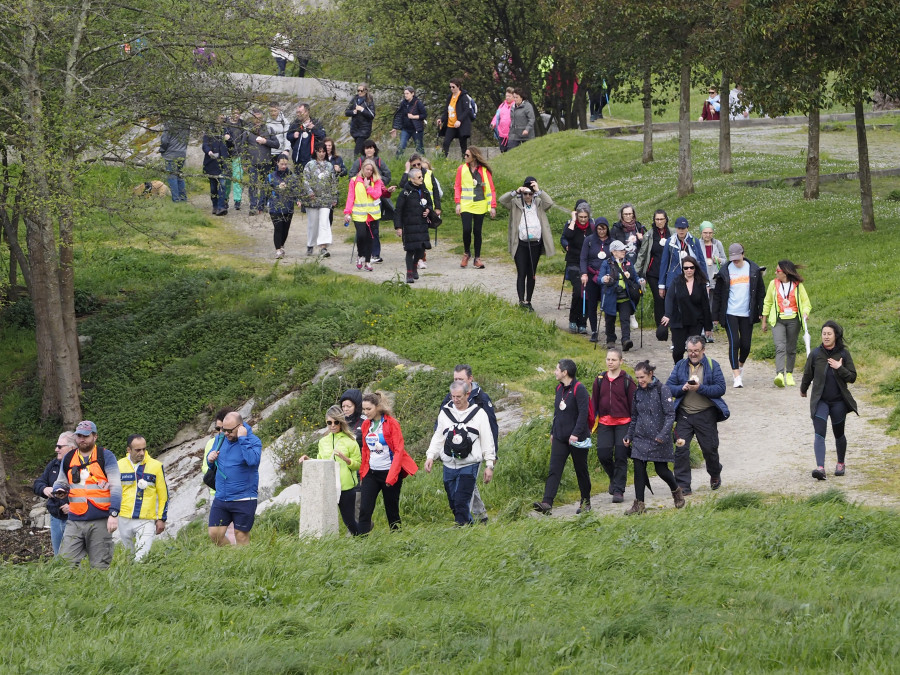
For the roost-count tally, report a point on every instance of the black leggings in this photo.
(527, 256)
(641, 479)
(449, 135)
(659, 304)
(679, 340)
(559, 453)
(592, 297)
(837, 411)
(613, 455)
(364, 239)
(373, 483)
(282, 225)
(412, 257)
(576, 315)
(740, 332)
(347, 508)
(468, 221)
(358, 146)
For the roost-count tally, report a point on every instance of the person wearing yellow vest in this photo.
(89, 477)
(786, 307)
(475, 195)
(145, 498)
(363, 207)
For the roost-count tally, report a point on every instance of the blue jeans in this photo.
(175, 167)
(217, 193)
(258, 188)
(417, 136)
(459, 484)
(57, 528)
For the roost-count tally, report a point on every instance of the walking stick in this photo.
(642, 318)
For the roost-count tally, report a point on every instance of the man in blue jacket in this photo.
(237, 481)
(697, 386)
(678, 246)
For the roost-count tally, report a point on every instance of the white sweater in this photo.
(483, 444)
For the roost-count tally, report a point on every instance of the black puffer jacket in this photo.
(360, 122)
(408, 217)
(463, 115)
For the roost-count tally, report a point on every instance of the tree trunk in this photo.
(865, 178)
(725, 125)
(67, 282)
(4, 491)
(811, 189)
(648, 118)
(685, 171)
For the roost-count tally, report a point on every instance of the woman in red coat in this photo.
(385, 462)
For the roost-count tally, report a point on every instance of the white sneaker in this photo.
(279, 253)
(738, 383)
(634, 324)
(422, 265)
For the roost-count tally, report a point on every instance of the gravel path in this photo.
(766, 445)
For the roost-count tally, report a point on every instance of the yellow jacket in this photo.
(770, 304)
(149, 502)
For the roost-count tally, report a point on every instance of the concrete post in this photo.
(318, 498)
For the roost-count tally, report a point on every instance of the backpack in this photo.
(458, 439)
(473, 107)
(67, 462)
(209, 478)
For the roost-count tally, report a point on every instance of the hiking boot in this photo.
(527, 305)
(618, 498)
(415, 275)
(685, 491)
(584, 507)
(715, 482)
(542, 507)
(573, 327)
(839, 469)
(789, 379)
(409, 277)
(610, 345)
(478, 265)
(464, 261)
(237, 206)
(593, 336)
(819, 473)
(678, 497)
(637, 508)
(626, 345)
(710, 339)
(582, 330)
(252, 212)
(324, 253)
(779, 381)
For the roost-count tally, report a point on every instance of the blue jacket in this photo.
(609, 300)
(237, 476)
(670, 264)
(713, 385)
(590, 251)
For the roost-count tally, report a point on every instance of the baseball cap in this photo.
(85, 428)
(681, 223)
(617, 246)
(735, 251)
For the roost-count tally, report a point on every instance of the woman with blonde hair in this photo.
(363, 207)
(475, 196)
(340, 445)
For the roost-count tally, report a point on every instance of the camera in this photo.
(693, 380)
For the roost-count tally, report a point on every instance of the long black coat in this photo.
(652, 417)
(408, 217)
(463, 115)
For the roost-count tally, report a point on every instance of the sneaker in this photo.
(738, 382)
(422, 265)
(584, 507)
(409, 278)
(593, 336)
(573, 327)
(415, 275)
(324, 253)
(464, 261)
(237, 206)
(779, 381)
(634, 323)
(618, 498)
(819, 473)
(710, 339)
(377, 259)
(686, 491)
(715, 482)
(839, 469)
(637, 508)
(369, 267)
(279, 253)
(582, 330)
(309, 250)
(789, 379)
(359, 263)
(626, 345)
(478, 265)
(542, 507)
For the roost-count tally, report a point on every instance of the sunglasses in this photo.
(415, 166)
(332, 423)
(228, 431)
(688, 267)
(60, 447)
(360, 91)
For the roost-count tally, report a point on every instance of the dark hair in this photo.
(463, 367)
(628, 205)
(133, 438)
(568, 365)
(696, 340)
(645, 366)
(838, 333)
(305, 106)
(369, 143)
(661, 212)
(380, 401)
(456, 81)
(790, 271)
(329, 139)
(222, 413)
(519, 91)
(699, 272)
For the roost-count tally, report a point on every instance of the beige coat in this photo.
(542, 202)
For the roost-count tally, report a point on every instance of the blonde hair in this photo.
(336, 413)
(376, 174)
(381, 402)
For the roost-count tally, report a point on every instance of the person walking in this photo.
(630, 231)
(462, 439)
(569, 436)
(361, 112)
(649, 436)
(235, 135)
(145, 498)
(680, 245)
(57, 507)
(474, 194)
(529, 234)
(411, 220)
(410, 119)
(173, 148)
(687, 309)
(786, 308)
(697, 385)
(501, 121)
(340, 445)
(621, 293)
(593, 254)
(304, 134)
(258, 141)
(714, 256)
(737, 305)
(572, 240)
(829, 369)
(284, 190)
(385, 462)
(611, 399)
(370, 153)
(216, 165)
(649, 260)
(363, 207)
(277, 125)
(521, 120)
(320, 187)
(456, 121)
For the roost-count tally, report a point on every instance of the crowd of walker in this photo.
(695, 287)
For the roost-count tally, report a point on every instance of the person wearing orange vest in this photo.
(89, 477)
(786, 308)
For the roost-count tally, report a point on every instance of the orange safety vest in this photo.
(89, 491)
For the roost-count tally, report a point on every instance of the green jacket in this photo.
(347, 445)
(770, 304)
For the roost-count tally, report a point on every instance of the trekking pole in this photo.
(642, 318)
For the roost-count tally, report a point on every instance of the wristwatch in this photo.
(113, 514)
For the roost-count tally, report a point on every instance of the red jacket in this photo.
(402, 465)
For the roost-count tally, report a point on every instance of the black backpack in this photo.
(209, 478)
(67, 463)
(458, 439)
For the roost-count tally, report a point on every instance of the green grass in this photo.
(787, 587)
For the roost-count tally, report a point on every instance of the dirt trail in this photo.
(766, 445)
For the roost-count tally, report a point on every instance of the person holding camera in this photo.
(89, 477)
(145, 498)
(697, 385)
(529, 234)
(57, 508)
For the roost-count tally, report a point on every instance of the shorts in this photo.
(242, 514)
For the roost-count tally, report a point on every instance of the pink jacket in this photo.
(501, 119)
(375, 191)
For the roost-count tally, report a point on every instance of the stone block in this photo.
(318, 499)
